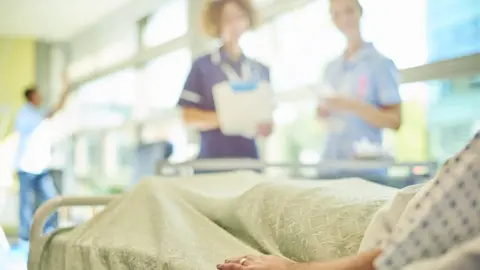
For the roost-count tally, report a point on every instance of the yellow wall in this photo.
(17, 70)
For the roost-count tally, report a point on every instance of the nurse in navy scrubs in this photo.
(366, 98)
(227, 20)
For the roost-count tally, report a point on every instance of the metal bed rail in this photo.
(46, 209)
(187, 168)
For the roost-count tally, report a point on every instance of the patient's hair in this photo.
(212, 14)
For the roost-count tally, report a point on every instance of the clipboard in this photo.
(242, 106)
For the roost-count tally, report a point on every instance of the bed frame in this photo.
(45, 210)
(187, 168)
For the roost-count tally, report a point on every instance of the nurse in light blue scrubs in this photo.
(227, 20)
(365, 83)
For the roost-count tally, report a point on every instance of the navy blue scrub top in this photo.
(206, 72)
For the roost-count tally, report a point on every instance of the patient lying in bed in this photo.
(438, 229)
(195, 222)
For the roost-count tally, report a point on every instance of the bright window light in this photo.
(168, 23)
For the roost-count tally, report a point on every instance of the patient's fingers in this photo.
(237, 260)
(234, 260)
(231, 266)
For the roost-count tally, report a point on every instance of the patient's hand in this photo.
(362, 261)
(257, 263)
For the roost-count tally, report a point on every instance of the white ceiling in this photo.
(54, 20)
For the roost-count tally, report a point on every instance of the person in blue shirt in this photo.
(227, 20)
(32, 160)
(365, 83)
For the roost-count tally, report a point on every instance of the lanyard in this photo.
(232, 75)
(246, 69)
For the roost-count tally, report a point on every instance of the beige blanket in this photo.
(197, 222)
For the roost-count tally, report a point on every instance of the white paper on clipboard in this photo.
(240, 112)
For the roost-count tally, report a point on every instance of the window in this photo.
(302, 55)
(454, 28)
(164, 79)
(434, 30)
(88, 155)
(298, 58)
(122, 48)
(81, 68)
(260, 44)
(170, 22)
(439, 117)
(115, 53)
(385, 24)
(119, 147)
(452, 118)
(107, 101)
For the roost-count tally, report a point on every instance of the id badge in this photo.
(241, 105)
(244, 86)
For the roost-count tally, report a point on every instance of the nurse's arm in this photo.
(388, 112)
(384, 117)
(192, 101)
(201, 119)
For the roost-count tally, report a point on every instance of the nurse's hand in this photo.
(264, 129)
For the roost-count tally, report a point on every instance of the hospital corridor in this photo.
(240, 134)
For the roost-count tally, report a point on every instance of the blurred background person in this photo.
(365, 84)
(227, 20)
(32, 160)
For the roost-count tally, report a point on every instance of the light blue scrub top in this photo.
(370, 77)
(28, 120)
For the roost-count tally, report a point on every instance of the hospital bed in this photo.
(67, 240)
